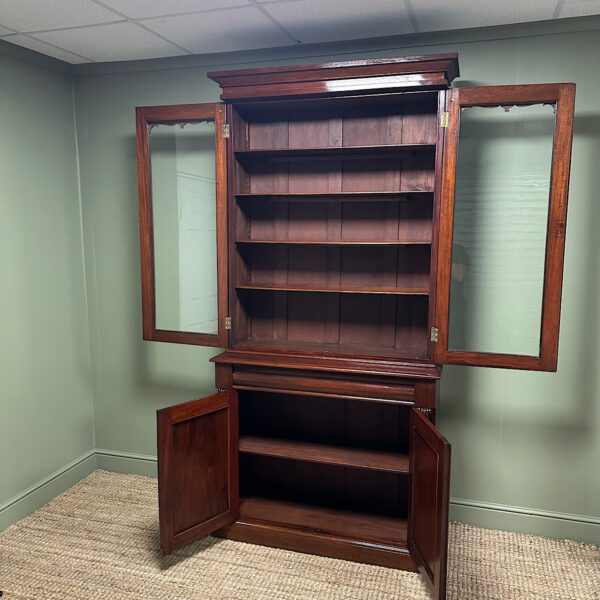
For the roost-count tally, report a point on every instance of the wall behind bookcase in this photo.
(526, 446)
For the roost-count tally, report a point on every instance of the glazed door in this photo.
(197, 468)
(504, 191)
(430, 494)
(182, 181)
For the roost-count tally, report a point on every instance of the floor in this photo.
(99, 540)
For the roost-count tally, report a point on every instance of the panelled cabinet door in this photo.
(429, 497)
(505, 181)
(182, 186)
(197, 468)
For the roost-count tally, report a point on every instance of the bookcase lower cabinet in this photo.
(340, 475)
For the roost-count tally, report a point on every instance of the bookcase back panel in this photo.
(338, 323)
(357, 220)
(351, 423)
(409, 123)
(324, 485)
(404, 267)
(414, 172)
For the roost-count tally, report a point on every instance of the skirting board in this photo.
(126, 462)
(480, 514)
(555, 525)
(40, 493)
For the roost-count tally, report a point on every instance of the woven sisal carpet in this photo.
(99, 540)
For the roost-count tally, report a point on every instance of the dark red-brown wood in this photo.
(328, 384)
(322, 293)
(338, 250)
(197, 468)
(183, 113)
(322, 531)
(371, 76)
(562, 96)
(429, 497)
(310, 451)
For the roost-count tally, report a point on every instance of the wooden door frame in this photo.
(147, 116)
(433, 568)
(169, 417)
(562, 96)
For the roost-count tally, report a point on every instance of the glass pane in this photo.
(500, 220)
(184, 217)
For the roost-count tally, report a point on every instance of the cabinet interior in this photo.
(332, 225)
(337, 465)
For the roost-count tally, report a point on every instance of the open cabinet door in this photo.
(197, 468)
(182, 189)
(430, 494)
(505, 182)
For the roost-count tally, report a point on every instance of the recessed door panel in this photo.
(197, 468)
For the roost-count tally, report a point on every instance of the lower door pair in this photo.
(198, 480)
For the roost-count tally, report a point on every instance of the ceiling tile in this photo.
(433, 15)
(235, 29)
(43, 48)
(137, 9)
(5, 30)
(331, 20)
(580, 8)
(118, 41)
(35, 15)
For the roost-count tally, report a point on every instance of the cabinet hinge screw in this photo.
(226, 130)
(227, 322)
(434, 334)
(444, 117)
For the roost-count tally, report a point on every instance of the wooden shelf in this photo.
(338, 290)
(339, 242)
(361, 458)
(327, 521)
(401, 196)
(333, 152)
(405, 353)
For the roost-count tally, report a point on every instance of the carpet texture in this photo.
(100, 540)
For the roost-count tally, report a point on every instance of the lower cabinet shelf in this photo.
(387, 530)
(362, 458)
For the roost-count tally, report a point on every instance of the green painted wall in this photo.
(45, 385)
(522, 442)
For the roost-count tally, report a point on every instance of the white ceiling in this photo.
(79, 31)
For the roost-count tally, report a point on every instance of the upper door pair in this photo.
(503, 191)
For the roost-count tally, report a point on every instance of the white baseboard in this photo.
(481, 514)
(41, 492)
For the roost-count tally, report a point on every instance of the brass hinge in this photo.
(434, 334)
(444, 116)
(227, 322)
(226, 130)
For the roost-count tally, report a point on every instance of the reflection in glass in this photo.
(184, 220)
(499, 238)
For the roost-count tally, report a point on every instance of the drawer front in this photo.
(329, 385)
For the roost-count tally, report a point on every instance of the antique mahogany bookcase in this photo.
(364, 224)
